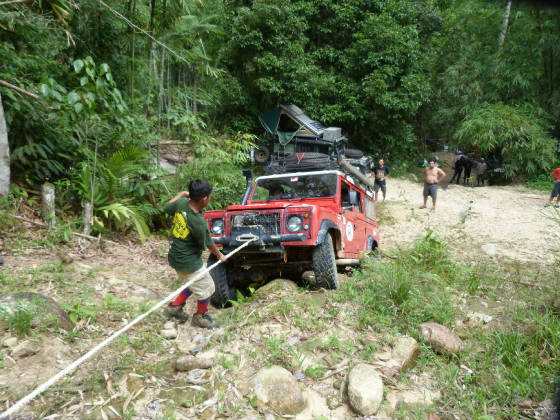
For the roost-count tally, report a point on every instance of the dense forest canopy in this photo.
(114, 77)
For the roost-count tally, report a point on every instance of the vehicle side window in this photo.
(359, 206)
(370, 208)
(345, 195)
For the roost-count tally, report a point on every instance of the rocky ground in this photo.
(285, 352)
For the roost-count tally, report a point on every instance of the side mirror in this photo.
(353, 196)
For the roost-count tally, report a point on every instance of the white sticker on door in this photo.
(349, 231)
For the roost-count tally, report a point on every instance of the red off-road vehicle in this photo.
(300, 221)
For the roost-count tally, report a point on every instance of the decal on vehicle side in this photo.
(349, 231)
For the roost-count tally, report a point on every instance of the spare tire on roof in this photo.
(261, 154)
(306, 161)
(353, 153)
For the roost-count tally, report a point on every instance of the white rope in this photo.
(70, 368)
(128, 22)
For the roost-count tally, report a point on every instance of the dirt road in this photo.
(492, 221)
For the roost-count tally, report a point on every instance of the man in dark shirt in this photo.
(468, 165)
(190, 237)
(380, 172)
(458, 168)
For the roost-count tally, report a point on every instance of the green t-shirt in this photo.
(190, 236)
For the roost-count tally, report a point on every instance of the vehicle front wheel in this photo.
(324, 264)
(224, 293)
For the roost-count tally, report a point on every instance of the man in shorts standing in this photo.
(190, 237)
(481, 172)
(432, 175)
(556, 188)
(380, 172)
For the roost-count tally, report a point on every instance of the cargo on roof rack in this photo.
(289, 130)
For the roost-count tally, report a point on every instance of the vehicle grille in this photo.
(269, 221)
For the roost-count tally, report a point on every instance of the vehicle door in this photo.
(351, 209)
(368, 222)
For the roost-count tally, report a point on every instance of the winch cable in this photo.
(70, 368)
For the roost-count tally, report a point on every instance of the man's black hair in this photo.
(199, 188)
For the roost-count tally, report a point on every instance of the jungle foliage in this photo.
(116, 77)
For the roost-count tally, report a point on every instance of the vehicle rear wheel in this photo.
(224, 293)
(324, 264)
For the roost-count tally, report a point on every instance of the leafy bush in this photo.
(540, 182)
(219, 161)
(516, 135)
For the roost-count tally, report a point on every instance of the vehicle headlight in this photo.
(294, 224)
(217, 226)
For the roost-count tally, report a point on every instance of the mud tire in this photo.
(261, 155)
(353, 153)
(224, 293)
(324, 264)
(309, 161)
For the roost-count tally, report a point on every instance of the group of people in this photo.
(466, 163)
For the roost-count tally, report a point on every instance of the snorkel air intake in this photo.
(248, 174)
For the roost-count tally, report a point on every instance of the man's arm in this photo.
(424, 174)
(214, 250)
(182, 194)
(443, 174)
(387, 172)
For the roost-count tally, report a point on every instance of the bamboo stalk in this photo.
(4, 3)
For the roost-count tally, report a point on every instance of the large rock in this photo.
(477, 319)
(25, 348)
(365, 389)
(41, 305)
(277, 286)
(405, 351)
(277, 390)
(187, 362)
(315, 406)
(440, 338)
(410, 399)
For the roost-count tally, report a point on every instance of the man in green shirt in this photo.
(190, 237)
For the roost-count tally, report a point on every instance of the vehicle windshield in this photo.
(290, 186)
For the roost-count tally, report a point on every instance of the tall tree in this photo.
(504, 26)
(4, 154)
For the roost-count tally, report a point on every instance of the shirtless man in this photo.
(431, 178)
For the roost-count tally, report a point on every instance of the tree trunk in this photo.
(194, 96)
(47, 192)
(4, 154)
(504, 26)
(88, 218)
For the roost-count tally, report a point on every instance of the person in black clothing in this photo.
(458, 168)
(468, 165)
(380, 172)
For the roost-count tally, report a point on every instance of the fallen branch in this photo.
(526, 283)
(340, 369)
(17, 89)
(81, 235)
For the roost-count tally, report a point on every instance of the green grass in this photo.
(19, 316)
(513, 359)
(540, 182)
